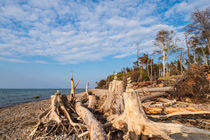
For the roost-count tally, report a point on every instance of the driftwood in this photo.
(153, 95)
(92, 101)
(57, 119)
(114, 99)
(72, 117)
(178, 114)
(162, 104)
(86, 90)
(73, 87)
(156, 89)
(95, 128)
(136, 121)
(63, 117)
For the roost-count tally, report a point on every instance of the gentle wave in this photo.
(10, 97)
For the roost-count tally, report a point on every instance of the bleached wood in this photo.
(114, 98)
(153, 95)
(92, 101)
(155, 89)
(86, 90)
(180, 114)
(137, 121)
(72, 95)
(94, 126)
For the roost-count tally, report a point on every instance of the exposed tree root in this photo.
(57, 119)
(135, 119)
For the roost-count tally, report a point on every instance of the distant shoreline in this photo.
(10, 97)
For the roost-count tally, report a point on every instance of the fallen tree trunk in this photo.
(153, 95)
(136, 121)
(180, 114)
(156, 89)
(94, 126)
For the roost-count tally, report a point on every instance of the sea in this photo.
(9, 97)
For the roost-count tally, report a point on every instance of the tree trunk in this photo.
(114, 99)
(188, 48)
(92, 101)
(72, 94)
(94, 126)
(136, 121)
(164, 65)
(155, 89)
(148, 68)
(195, 62)
(204, 55)
(181, 62)
(141, 73)
(153, 95)
(86, 91)
(73, 87)
(151, 76)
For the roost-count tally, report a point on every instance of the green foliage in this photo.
(101, 84)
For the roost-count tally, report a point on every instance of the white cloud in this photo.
(72, 32)
(41, 62)
(12, 60)
(184, 8)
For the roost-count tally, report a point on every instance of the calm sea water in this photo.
(10, 97)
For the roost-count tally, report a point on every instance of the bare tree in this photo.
(200, 28)
(164, 40)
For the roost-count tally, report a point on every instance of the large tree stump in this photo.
(57, 119)
(135, 119)
(114, 100)
(92, 101)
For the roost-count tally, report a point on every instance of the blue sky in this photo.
(42, 41)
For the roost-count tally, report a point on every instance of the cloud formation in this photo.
(69, 32)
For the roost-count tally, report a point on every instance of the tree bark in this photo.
(72, 94)
(73, 87)
(86, 91)
(155, 89)
(114, 99)
(151, 76)
(181, 62)
(92, 101)
(94, 126)
(188, 48)
(164, 58)
(204, 55)
(136, 121)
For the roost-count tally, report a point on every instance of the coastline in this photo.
(10, 97)
(16, 121)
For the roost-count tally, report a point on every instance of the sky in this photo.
(42, 41)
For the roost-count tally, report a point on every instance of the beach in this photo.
(16, 122)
